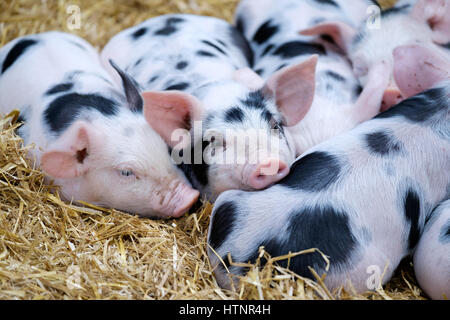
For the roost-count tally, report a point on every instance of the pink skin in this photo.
(392, 96)
(437, 14)
(418, 67)
(77, 161)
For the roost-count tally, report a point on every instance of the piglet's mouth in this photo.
(180, 201)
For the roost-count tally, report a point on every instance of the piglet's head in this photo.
(428, 23)
(242, 141)
(119, 162)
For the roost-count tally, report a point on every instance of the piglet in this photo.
(92, 136)
(361, 198)
(331, 99)
(425, 23)
(193, 68)
(432, 255)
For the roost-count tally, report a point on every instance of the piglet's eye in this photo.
(126, 173)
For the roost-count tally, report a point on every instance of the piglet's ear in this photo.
(437, 14)
(340, 32)
(293, 90)
(418, 68)
(67, 157)
(167, 111)
(131, 88)
(248, 78)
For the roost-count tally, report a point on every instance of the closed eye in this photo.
(126, 173)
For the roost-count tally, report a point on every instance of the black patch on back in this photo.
(16, 51)
(240, 42)
(62, 87)
(204, 53)
(412, 213)
(169, 28)
(255, 100)
(296, 48)
(382, 143)
(139, 33)
(178, 86)
(419, 108)
(321, 227)
(314, 172)
(234, 115)
(208, 43)
(336, 76)
(64, 110)
(181, 65)
(328, 2)
(266, 31)
(222, 224)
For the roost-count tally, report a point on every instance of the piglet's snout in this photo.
(391, 97)
(266, 173)
(180, 200)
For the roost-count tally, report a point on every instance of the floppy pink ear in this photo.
(66, 158)
(418, 68)
(167, 111)
(293, 89)
(248, 78)
(340, 32)
(437, 14)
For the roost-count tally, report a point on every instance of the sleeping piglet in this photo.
(91, 135)
(425, 23)
(362, 198)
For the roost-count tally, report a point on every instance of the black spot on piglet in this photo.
(17, 50)
(412, 213)
(222, 224)
(382, 143)
(139, 33)
(325, 228)
(314, 172)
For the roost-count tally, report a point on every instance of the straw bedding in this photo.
(54, 250)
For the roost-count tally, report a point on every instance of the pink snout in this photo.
(391, 97)
(267, 173)
(183, 201)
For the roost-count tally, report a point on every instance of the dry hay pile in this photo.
(53, 250)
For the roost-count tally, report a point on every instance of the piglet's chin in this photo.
(181, 200)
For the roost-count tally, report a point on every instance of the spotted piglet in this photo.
(425, 23)
(91, 136)
(361, 198)
(331, 99)
(195, 66)
(432, 256)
